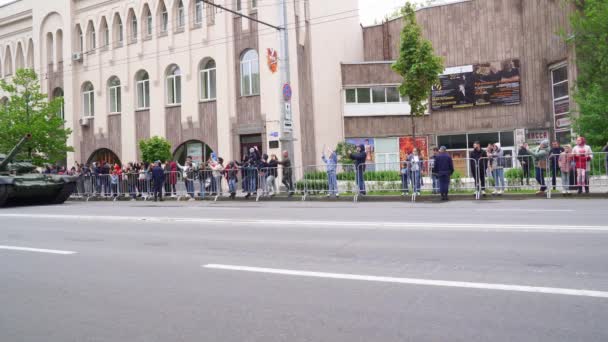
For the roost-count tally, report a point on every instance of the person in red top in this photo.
(582, 156)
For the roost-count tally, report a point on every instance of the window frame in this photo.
(371, 95)
(180, 19)
(149, 23)
(134, 28)
(164, 18)
(114, 96)
(143, 83)
(198, 12)
(172, 91)
(249, 63)
(88, 97)
(205, 77)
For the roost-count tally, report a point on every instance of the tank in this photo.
(21, 185)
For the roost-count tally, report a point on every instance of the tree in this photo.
(589, 23)
(417, 64)
(29, 111)
(155, 148)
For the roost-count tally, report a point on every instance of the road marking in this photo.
(311, 223)
(38, 250)
(529, 210)
(414, 281)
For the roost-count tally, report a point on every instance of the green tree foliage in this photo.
(590, 38)
(29, 111)
(155, 148)
(417, 64)
(342, 152)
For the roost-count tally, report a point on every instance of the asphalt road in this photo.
(532, 270)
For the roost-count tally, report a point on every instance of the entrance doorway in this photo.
(250, 141)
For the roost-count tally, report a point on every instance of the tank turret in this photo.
(11, 155)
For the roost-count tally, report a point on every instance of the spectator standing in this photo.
(217, 169)
(231, 172)
(540, 154)
(404, 170)
(555, 152)
(565, 166)
(273, 166)
(445, 168)
(287, 173)
(158, 178)
(359, 157)
(263, 175)
(331, 163)
(582, 157)
(478, 164)
(525, 159)
(188, 176)
(434, 176)
(415, 165)
(498, 171)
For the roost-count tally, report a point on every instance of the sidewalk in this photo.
(350, 198)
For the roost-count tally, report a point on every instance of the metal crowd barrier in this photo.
(407, 179)
(567, 175)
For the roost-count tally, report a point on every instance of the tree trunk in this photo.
(413, 129)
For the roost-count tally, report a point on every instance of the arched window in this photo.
(8, 62)
(198, 12)
(88, 99)
(115, 95)
(132, 26)
(142, 84)
(174, 85)
(19, 57)
(180, 15)
(30, 54)
(250, 73)
(118, 32)
(91, 37)
(58, 93)
(50, 45)
(164, 18)
(105, 33)
(207, 73)
(147, 22)
(80, 41)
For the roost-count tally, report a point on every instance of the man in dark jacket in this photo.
(359, 158)
(287, 173)
(478, 166)
(158, 177)
(526, 162)
(445, 168)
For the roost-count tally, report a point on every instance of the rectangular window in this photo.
(180, 18)
(88, 104)
(199, 12)
(149, 25)
(115, 99)
(363, 95)
(238, 5)
(208, 84)
(120, 33)
(165, 21)
(106, 37)
(254, 4)
(143, 94)
(379, 94)
(453, 142)
(351, 95)
(392, 94)
(134, 29)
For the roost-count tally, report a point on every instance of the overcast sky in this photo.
(368, 9)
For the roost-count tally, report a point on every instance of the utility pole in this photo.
(286, 120)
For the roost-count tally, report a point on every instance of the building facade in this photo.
(479, 40)
(205, 78)
(210, 80)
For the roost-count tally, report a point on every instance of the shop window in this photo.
(453, 142)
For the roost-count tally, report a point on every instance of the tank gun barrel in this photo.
(14, 151)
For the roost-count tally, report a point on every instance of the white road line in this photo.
(414, 281)
(313, 223)
(37, 250)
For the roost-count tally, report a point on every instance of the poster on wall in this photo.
(368, 143)
(492, 83)
(406, 146)
(195, 150)
(534, 137)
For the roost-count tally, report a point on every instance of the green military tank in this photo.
(20, 185)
